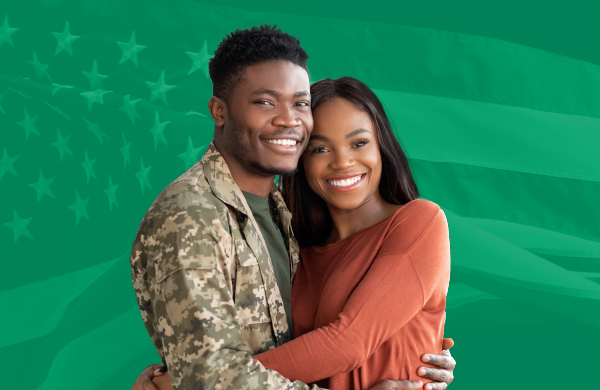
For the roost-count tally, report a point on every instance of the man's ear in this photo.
(218, 110)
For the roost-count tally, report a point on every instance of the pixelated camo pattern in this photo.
(205, 283)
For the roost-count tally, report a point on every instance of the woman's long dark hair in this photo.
(310, 217)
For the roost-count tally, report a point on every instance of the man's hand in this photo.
(144, 381)
(445, 361)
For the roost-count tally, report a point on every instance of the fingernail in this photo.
(158, 370)
(422, 371)
(426, 358)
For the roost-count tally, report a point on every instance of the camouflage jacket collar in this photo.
(224, 187)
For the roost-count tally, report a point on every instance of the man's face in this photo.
(269, 118)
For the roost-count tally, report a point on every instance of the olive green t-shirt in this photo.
(259, 205)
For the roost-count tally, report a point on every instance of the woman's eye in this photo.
(317, 149)
(361, 143)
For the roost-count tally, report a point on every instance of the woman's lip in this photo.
(347, 188)
(344, 176)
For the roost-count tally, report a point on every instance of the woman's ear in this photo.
(218, 110)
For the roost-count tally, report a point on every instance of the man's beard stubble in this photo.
(241, 153)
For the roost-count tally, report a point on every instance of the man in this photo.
(214, 257)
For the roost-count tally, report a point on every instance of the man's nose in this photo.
(286, 117)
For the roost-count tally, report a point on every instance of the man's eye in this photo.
(263, 102)
(304, 104)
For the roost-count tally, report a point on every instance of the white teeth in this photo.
(285, 142)
(344, 183)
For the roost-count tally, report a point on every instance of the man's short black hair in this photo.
(249, 47)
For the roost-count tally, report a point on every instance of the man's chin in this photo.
(274, 171)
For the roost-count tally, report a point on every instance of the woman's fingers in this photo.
(144, 381)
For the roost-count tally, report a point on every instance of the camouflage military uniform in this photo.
(205, 283)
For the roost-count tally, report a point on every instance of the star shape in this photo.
(29, 124)
(190, 156)
(158, 131)
(6, 33)
(65, 39)
(95, 129)
(80, 208)
(57, 110)
(89, 167)
(2, 97)
(95, 96)
(40, 69)
(96, 79)
(130, 50)
(42, 186)
(111, 193)
(190, 112)
(159, 89)
(19, 226)
(125, 151)
(142, 176)
(58, 87)
(199, 60)
(129, 108)
(7, 164)
(62, 144)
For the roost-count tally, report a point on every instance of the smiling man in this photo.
(214, 256)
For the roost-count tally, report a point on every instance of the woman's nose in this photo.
(341, 160)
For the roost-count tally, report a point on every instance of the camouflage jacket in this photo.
(205, 284)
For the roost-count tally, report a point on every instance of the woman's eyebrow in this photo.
(355, 132)
(319, 137)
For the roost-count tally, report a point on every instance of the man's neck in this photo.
(246, 178)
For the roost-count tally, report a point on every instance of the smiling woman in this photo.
(352, 136)
(370, 290)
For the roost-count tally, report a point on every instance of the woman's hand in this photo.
(444, 376)
(154, 377)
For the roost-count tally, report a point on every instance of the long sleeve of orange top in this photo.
(399, 284)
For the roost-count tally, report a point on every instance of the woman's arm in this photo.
(396, 287)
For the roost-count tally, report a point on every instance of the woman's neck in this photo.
(348, 222)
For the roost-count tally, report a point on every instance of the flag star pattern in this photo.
(19, 226)
(65, 40)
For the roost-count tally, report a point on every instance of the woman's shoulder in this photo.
(410, 222)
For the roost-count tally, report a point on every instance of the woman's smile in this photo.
(343, 161)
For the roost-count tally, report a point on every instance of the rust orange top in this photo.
(367, 307)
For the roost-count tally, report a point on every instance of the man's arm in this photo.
(193, 309)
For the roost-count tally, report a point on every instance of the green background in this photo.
(497, 104)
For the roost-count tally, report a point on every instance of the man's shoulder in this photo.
(187, 201)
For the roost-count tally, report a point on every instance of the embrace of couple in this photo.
(336, 277)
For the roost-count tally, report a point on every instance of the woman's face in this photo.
(342, 161)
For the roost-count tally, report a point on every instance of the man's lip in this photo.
(344, 176)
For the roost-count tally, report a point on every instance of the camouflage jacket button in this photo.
(242, 218)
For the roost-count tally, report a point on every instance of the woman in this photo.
(370, 293)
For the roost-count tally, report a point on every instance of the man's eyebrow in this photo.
(266, 91)
(355, 132)
(277, 93)
(300, 94)
(319, 137)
